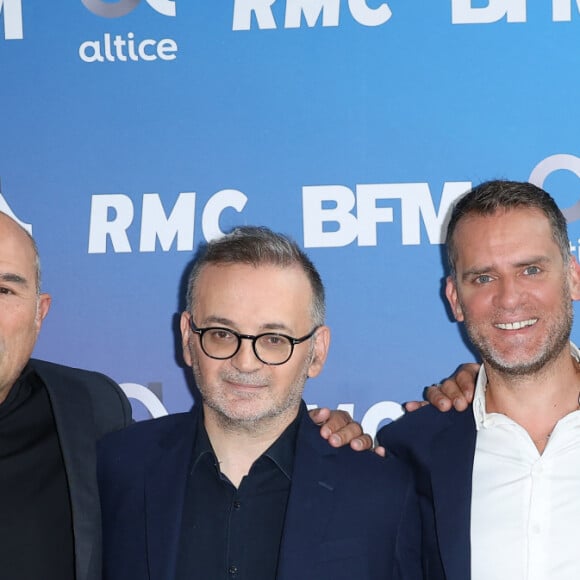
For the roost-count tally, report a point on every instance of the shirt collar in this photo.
(482, 417)
(281, 452)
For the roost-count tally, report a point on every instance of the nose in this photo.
(245, 359)
(508, 293)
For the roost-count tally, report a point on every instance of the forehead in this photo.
(263, 294)
(503, 234)
(16, 251)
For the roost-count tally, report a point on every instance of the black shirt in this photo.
(229, 533)
(36, 536)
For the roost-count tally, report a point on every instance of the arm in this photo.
(339, 429)
(456, 391)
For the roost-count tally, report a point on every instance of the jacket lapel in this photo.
(165, 483)
(311, 499)
(76, 432)
(451, 476)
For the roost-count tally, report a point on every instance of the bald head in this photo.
(22, 306)
(11, 229)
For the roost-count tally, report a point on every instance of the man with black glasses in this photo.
(244, 487)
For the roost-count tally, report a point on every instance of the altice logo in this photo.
(123, 7)
(127, 48)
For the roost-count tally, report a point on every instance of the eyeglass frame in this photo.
(253, 337)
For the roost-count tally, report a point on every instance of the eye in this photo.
(220, 335)
(273, 341)
(483, 279)
(532, 271)
(4, 290)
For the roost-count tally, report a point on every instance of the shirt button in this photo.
(232, 570)
(237, 505)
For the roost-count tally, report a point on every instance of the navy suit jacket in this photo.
(350, 515)
(86, 406)
(440, 449)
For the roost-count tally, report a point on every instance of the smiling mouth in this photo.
(516, 325)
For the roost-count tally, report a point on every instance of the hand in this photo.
(456, 391)
(339, 429)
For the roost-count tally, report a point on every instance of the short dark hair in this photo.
(492, 196)
(258, 246)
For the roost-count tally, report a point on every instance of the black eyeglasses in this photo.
(271, 348)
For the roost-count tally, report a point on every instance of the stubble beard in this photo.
(217, 400)
(556, 339)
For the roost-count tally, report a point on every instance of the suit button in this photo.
(237, 505)
(232, 570)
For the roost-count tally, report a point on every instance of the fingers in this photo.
(380, 450)
(339, 428)
(465, 378)
(456, 391)
(411, 406)
(362, 442)
(346, 433)
(435, 395)
(320, 417)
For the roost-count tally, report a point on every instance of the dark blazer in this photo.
(86, 406)
(440, 449)
(350, 515)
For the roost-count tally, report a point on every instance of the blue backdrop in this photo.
(133, 130)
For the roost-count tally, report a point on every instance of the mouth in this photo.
(245, 385)
(516, 325)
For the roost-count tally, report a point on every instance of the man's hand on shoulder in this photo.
(339, 429)
(456, 391)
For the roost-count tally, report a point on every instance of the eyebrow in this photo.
(271, 326)
(14, 278)
(477, 271)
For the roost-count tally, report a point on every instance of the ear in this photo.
(43, 307)
(321, 345)
(185, 337)
(451, 293)
(574, 278)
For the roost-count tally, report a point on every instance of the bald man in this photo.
(50, 419)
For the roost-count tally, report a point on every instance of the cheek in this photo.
(207, 367)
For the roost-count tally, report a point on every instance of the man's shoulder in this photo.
(353, 465)
(144, 433)
(421, 425)
(70, 376)
(77, 389)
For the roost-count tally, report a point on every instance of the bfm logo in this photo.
(463, 11)
(12, 12)
(333, 215)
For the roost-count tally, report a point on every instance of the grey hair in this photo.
(492, 196)
(258, 246)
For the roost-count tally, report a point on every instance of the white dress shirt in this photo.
(525, 507)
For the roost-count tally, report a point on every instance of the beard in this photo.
(554, 341)
(250, 410)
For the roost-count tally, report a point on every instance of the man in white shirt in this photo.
(499, 484)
